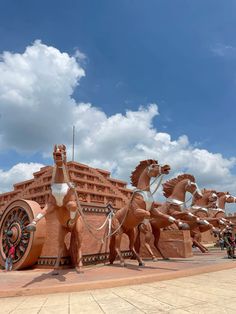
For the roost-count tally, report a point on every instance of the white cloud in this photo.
(37, 110)
(36, 106)
(17, 173)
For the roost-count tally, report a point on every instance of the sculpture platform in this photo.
(40, 281)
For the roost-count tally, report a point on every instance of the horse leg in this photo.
(61, 247)
(112, 250)
(79, 234)
(137, 243)
(72, 208)
(157, 232)
(46, 210)
(147, 232)
(115, 226)
(118, 238)
(148, 247)
(196, 238)
(141, 214)
(131, 235)
(202, 248)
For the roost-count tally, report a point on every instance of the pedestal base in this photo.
(173, 243)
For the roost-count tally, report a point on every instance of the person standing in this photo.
(222, 243)
(228, 243)
(9, 258)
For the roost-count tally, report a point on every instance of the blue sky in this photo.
(143, 51)
(180, 55)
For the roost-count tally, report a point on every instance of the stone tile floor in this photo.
(206, 293)
(41, 281)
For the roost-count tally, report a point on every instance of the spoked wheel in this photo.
(14, 220)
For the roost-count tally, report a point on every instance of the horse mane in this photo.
(135, 175)
(205, 191)
(219, 194)
(169, 186)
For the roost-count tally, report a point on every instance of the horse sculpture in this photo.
(201, 207)
(223, 198)
(64, 201)
(139, 208)
(212, 208)
(175, 190)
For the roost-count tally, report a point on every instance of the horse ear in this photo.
(55, 147)
(203, 190)
(63, 146)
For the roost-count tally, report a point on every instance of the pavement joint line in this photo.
(42, 306)
(97, 303)
(135, 306)
(155, 298)
(202, 303)
(17, 305)
(69, 303)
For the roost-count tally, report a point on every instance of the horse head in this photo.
(59, 154)
(177, 187)
(192, 187)
(146, 170)
(209, 199)
(226, 197)
(155, 170)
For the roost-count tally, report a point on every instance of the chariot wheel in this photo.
(16, 216)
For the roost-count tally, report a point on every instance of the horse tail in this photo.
(112, 250)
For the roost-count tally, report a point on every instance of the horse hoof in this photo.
(184, 226)
(141, 264)
(30, 228)
(122, 264)
(55, 273)
(166, 259)
(155, 259)
(78, 270)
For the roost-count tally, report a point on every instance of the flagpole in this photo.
(73, 144)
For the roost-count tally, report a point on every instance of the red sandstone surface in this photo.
(38, 281)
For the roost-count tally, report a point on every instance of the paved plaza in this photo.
(206, 293)
(205, 283)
